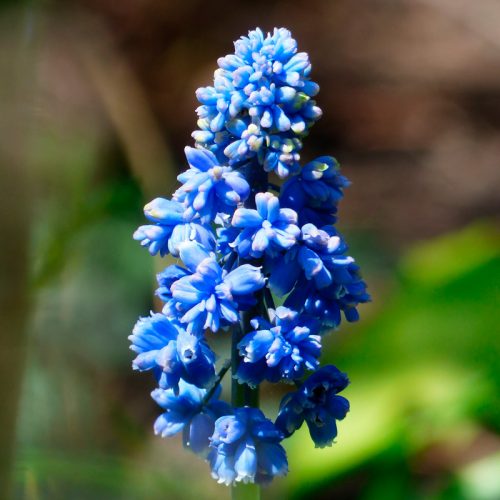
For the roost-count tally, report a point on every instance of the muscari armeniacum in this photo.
(246, 242)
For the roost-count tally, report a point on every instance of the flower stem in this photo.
(220, 376)
(243, 395)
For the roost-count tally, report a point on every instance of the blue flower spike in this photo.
(259, 264)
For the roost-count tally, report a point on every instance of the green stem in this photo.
(220, 376)
(243, 394)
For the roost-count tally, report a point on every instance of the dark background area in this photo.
(97, 103)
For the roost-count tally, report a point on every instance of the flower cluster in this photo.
(260, 105)
(243, 244)
(281, 350)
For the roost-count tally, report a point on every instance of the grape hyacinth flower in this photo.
(246, 447)
(209, 296)
(281, 350)
(170, 229)
(269, 228)
(189, 411)
(171, 353)
(208, 188)
(315, 192)
(318, 256)
(242, 244)
(318, 404)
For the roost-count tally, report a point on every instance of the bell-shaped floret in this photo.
(187, 411)
(318, 404)
(245, 447)
(208, 296)
(281, 350)
(319, 256)
(268, 229)
(164, 347)
(170, 229)
(315, 192)
(209, 188)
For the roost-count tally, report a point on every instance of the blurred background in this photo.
(97, 103)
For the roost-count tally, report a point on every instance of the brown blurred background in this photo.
(97, 101)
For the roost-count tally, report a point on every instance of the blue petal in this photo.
(272, 460)
(164, 211)
(281, 121)
(202, 159)
(273, 209)
(200, 430)
(168, 359)
(322, 427)
(245, 462)
(184, 291)
(169, 424)
(229, 429)
(255, 345)
(198, 360)
(238, 184)
(229, 313)
(260, 242)
(192, 314)
(338, 406)
(310, 262)
(245, 279)
(145, 361)
(261, 201)
(192, 253)
(222, 467)
(246, 217)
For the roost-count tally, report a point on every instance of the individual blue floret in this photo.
(319, 256)
(281, 350)
(172, 353)
(187, 412)
(245, 447)
(166, 278)
(208, 188)
(268, 229)
(327, 303)
(318, 404)
(315, 192)
(170, 228)
(208, 296)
